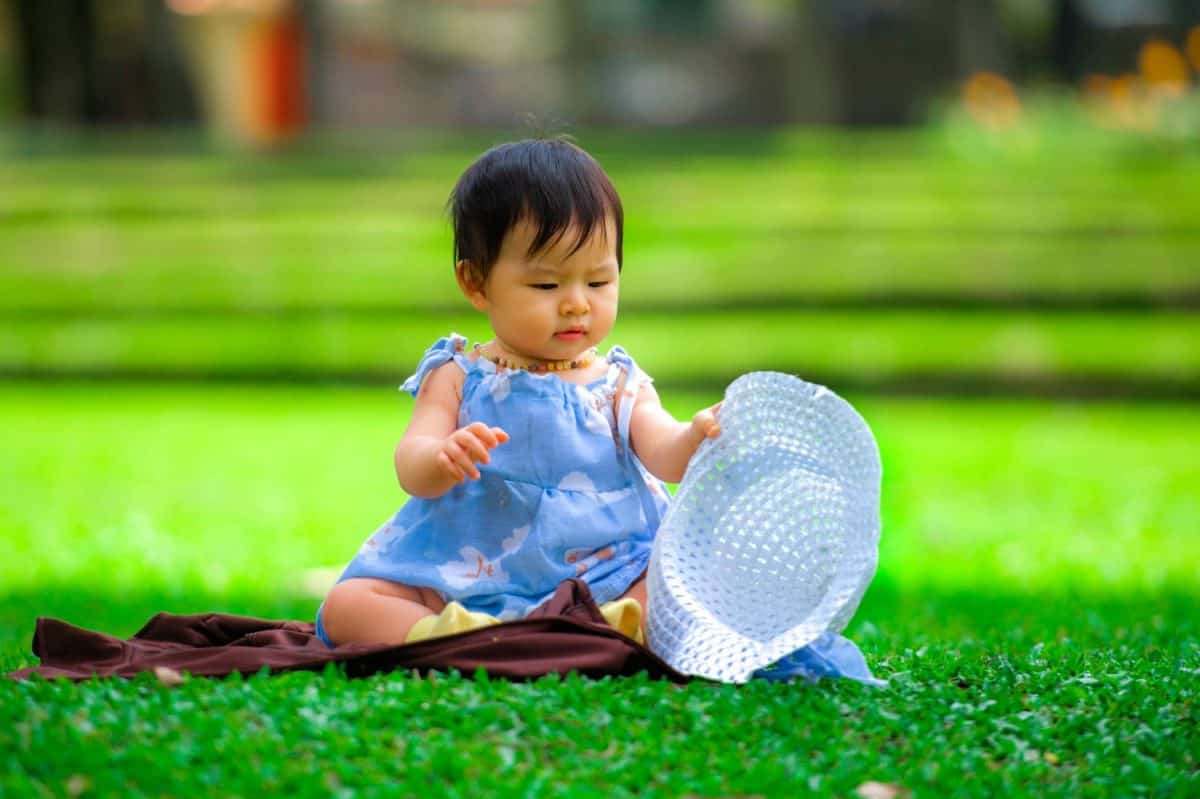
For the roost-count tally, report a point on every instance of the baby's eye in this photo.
(598, 284)
(545, 286)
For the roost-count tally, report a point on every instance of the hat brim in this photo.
(772, 537)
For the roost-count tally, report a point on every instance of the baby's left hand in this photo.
(704, 423)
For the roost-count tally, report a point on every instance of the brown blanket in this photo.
(566, 633)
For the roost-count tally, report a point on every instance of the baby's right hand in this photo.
(467, 446)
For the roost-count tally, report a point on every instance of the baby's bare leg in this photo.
(365, 610)
(638, 592)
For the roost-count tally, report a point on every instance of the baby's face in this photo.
(556, 304)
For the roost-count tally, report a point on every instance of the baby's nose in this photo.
(573, 302)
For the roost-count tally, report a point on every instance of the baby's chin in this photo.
(557, 348)
(543, 353)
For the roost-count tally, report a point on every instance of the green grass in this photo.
(778, 215)
(697, 347)
(1036, 601)
(1034, 610)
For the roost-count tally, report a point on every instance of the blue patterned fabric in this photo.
(564, 497)
(830, 656)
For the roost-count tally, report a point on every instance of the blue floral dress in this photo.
(564, 497)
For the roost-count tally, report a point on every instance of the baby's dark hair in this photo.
(552, 183)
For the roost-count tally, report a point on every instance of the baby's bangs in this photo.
(571, 191)
(550, 183)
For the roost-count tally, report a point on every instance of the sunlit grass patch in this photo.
(1033, 611)
(123, 485)
(1012, 710)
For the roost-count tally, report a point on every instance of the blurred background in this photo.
(259, 70)
(223, 244)
(255, 187)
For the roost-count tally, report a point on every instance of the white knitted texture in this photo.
(773, 535)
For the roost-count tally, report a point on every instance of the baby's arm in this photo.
(664, 445)
(433, 456)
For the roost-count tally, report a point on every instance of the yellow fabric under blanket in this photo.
(623, 614)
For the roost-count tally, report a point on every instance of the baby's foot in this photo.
(626, 616)
(454, 618)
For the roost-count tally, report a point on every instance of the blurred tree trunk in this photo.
(893, 58)
(982, 40)
(172, 97)
(1186, 12)
(580, 59)
(57, 43)
(314, 23)
(1068, 40)
(809, 65)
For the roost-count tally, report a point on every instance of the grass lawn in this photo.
(1035, 611)
(1036, 601)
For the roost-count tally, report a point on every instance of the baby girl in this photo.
(531, 458)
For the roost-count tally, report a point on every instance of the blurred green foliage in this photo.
(777, 249)
(754, 216)
(690, 348)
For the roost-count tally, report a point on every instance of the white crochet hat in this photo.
(773, 535)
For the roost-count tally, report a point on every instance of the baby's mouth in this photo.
(571, 333)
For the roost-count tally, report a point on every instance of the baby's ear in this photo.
(470, 284)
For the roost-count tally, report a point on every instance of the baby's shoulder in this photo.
(444, 380)
(445, 351)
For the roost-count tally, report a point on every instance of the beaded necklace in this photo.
(543, 366)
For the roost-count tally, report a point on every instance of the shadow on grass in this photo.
(891, 619)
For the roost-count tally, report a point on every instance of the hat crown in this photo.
(772, 536)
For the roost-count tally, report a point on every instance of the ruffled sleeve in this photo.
(634, 379)
(444, 349)
(622, 365)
